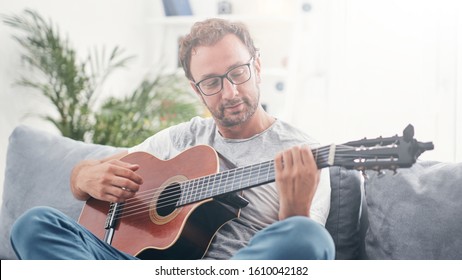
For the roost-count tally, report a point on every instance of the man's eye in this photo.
(210, 83)
(237, 73)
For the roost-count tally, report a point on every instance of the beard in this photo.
(227, 119)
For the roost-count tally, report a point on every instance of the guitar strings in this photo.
(192, 183)
(167, 203)
(170, 203)
(139, 204)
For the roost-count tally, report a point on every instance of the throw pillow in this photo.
(344, 216)
(37, 173)
(415, 214)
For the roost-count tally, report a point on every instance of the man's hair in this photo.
(209, 32)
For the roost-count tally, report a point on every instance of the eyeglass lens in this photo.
(236, 76)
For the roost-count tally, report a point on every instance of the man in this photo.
(283, 220)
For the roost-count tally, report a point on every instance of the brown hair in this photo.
(209, 32)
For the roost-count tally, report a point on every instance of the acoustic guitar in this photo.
(180, 206)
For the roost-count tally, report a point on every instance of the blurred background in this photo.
(340, 70)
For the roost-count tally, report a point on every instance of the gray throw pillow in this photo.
(344, 216)
(37, 173)
(416, 213)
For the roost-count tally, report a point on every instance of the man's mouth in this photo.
(233, 105)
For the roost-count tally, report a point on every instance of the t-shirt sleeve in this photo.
(159, 145)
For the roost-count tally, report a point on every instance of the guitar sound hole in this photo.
(168, 199)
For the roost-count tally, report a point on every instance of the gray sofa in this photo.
(414, 214)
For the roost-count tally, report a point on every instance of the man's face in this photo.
(234, 104)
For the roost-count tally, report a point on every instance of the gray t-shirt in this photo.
(264, 204)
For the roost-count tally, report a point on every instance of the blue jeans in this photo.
(43, 233)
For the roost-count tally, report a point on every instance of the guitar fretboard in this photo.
(241, 178)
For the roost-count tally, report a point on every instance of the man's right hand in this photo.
(109, 179)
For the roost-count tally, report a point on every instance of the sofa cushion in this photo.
(344, 216)
(37, 173)
(416, 213)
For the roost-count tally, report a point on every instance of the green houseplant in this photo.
(73, 87)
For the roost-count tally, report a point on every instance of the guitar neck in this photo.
(241, 178)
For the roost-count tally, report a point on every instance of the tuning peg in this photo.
(408, 133)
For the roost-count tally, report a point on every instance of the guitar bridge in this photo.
(111, 221)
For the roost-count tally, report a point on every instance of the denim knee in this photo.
(309, 239)
(25, 228)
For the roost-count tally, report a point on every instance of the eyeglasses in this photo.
(237, 76)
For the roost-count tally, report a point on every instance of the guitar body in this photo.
(149, 231)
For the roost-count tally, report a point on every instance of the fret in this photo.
(183, 190)
(227, 181)
(253, 174)
(223, 180)
(187, 193)
(250, 177)
(197, 188)
(233, 183)
(258, 173)
(241, 177)
(212, 181)
(215, 183)
(193, 189)
(203, 188)
(190, 185)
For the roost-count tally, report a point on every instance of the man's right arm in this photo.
(108, 179)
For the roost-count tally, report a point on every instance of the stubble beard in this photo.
(233, 119)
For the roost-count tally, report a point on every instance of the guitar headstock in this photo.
(381, 153)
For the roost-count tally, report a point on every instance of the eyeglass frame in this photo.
(222, 77)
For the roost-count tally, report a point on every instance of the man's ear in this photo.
(257, 68)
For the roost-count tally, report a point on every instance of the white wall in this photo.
(372, 67)
(366, 68)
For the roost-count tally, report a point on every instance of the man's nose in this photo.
(229, 89)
